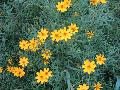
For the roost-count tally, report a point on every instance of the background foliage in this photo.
(21, 19)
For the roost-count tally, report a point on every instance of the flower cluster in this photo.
(62, 34)
(16, 71)
(97, 86)
(63, 5)
(65, 33)
(43, 76)
(34, 43)
(29, 44)
(89, 66)
(96, 2)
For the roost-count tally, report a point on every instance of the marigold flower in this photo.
(56, 35)
(23, 44)
(43, 75)
(43, 34)
(47, 72)
(33, 44)
(97, 86)
(83, 87)
(23, 61)
(73, 28)
(61, 6)
(67, 3)
(89, 66)
(100, 59)
(65, 34)
(18, 72)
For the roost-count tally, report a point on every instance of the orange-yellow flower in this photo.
(73, 28)
(47, 72)
(23, 44)
(33, 44)
(100, 59)
(83, 87)
(89, 66)
(67, 3)
(43, 75)
(43, 34)
(18, 72)
(65, 34)
(97, 86)
(23, 61)
(61, 6)
(56, 35)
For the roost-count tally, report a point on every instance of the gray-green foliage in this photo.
(23, 18)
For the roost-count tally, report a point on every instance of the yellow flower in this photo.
(46, 54)
(73, 28)
(83, 87)
(10, 69)
(23, 61)
(67, 3)
(43, 75)
(61, 6)
(94, 2)
(1, 69)
(23, 44)
(43, 34)
(56, 35)
(103, 1)
(90, 34)
(100, 59)
(89, 66)
(18, 72)
(47, 72)
(65, 34)
(33, 44)
(97, 86)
